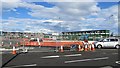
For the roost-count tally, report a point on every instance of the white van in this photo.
(111, 42)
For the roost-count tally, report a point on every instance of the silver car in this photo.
(111, 42)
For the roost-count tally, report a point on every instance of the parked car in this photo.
(111, 42)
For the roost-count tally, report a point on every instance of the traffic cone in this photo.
(2, 43)
(13, 51)
(16, 44)
(86, 49)
(61, 49)
(90, 45)
(93, 48)
(80, 48)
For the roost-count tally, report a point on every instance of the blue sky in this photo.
(23, 11)
(104, 5)
(46, 4)
(62, 16)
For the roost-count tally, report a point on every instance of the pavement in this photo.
(100, 58)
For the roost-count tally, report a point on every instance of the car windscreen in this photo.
(113, 39)
(116, 39)
(101, 40)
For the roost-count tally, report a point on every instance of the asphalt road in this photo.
(102, 58)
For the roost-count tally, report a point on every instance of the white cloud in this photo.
(10, 5)
(33, 25)
(66, 10)
(50, 20)
(71, 11)
(65, 16)
(10, 1)
(69, 0)
(109, 11)
(48, 26)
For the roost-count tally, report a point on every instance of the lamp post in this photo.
(39, 38)
(24, 41)
(60, 30)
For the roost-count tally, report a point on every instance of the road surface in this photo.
(101, 58)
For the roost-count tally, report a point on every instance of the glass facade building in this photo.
(91, 35)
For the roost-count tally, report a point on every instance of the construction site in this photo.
(66, 40)
(52, 47)
(59, 33)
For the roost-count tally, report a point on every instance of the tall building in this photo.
(81, 35)
(54, 36)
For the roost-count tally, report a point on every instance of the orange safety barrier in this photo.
(50, 43)
(59, 43)
(82, 45)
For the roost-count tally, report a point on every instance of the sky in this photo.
(48, 17)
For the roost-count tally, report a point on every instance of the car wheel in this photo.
(117, 46)
(99, 46)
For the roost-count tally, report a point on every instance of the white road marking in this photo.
(106, 67)
(56, 56)
(73, 55)
(85, 60)
(118, 62)
(51, 56)
(104, 53)
(114, 53)
(42, 51)
(23, 65)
